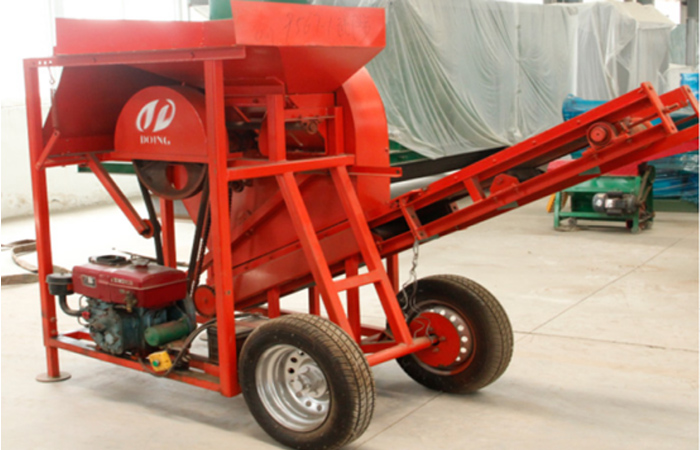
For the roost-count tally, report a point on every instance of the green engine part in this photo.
(221, 9)
(581, 200)
(158, 335)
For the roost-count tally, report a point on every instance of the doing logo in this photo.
(165, 116)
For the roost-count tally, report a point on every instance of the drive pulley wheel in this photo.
(205, 300)
(171, 180)
(474, 339)
(306, 382)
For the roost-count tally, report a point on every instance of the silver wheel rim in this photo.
(292, 387)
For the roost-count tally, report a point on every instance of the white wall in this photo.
(67, 188)
(26, 30)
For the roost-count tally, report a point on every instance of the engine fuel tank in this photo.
(114, 279)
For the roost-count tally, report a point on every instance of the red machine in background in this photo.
(274, 136)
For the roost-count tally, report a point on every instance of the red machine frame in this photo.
(492, 189)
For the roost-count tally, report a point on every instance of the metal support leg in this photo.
(273, 302)
(314, 301)
(217, 143)
(392, 269)
(353, 296)
(635, 223)
(557, 209)
(41, 222)
(275, 128)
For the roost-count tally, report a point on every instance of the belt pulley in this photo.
(171, 180)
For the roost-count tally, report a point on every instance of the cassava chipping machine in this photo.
(273, 135)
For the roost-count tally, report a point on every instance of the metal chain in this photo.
(52, 80)
(52, 95)
(410, 299)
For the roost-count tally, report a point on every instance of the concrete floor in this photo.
(606, 350)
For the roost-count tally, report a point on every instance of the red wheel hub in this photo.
(453, 337)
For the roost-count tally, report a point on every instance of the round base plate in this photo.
(45, 378)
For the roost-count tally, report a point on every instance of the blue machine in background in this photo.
(690, 80)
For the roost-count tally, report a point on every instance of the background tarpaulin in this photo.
(459, 76)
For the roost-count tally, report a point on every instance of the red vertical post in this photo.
(217, 150)
(276, 134)
(167, 219)
(273, 302)
(314, 301)
(392, 269)
(41, 218)
(352, 265)
(334, 143)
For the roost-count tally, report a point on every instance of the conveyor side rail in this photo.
(416, 215)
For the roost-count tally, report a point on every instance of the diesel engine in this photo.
(133, 306)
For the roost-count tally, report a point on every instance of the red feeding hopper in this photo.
(281, 44)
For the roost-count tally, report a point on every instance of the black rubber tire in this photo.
(348, 375)
(490, 328)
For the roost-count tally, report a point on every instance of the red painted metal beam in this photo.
(259, 170)
(398, 351)
(142, 226)
(143, 57)
(353, 296)
(392, 269)
(41, 217)
(80, 347)
(370, 255)
(314, 301)
(47, 150)
(312, 250)
(217, 149)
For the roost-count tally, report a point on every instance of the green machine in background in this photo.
(628, 199)
(221, 9)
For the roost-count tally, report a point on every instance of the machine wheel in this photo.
(306, 382)
(475, 339)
